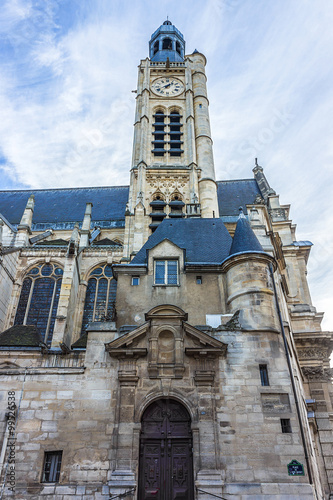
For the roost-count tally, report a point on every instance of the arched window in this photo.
(167, 44)
(100, 300)
(39, 299)
(175, 134)
(156, 46)
(159, 134)
(176, 205)
(178, 49)
(157, 213)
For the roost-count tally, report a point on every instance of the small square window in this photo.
(135, 280)
(285, 425)
(166, 272)
(52, 466)
(264, 375)
(199, 280)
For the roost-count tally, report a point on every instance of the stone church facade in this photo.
(158, 341)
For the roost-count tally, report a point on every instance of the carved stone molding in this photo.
(317, 373)
(313, 353)
(204, 378)
(128, 378)
(167, 184)
(278, 214)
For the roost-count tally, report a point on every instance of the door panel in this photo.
(166, 469)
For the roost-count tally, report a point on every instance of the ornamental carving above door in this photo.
(166, 466)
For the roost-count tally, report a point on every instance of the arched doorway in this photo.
(166, 466)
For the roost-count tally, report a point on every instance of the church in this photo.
(158, 340)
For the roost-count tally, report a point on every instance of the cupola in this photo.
(167, 43)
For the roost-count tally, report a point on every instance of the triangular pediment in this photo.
(128, 343)
(196, 342)
(166, 242)
(199, 343)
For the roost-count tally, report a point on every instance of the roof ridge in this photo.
(60, 189)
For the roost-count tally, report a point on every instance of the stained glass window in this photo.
(100, 299)
(39, 299)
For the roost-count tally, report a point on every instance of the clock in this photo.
(167, 87)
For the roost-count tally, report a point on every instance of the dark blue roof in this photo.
(244, 238)
(233, 194)
(61, 208)
(204, 240)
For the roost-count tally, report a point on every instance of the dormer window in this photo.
(166, 272)
(167, 44)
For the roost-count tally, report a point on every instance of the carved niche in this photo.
(165, 340)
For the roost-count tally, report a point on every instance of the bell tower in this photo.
(172, 173)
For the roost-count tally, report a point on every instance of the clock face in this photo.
(167, 87)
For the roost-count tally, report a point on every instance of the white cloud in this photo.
(68, 110)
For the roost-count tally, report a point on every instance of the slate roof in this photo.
(244, 239)
(81, 342)
(235, 193)
(21, 336)
(106, 242)
(204, 240)
(61, 208)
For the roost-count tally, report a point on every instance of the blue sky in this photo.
(68, 67)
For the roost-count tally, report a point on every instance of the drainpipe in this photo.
(291, 376)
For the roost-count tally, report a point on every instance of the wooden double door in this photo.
(166, 466)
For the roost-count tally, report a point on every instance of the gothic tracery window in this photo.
(100, 296)
(39, 299)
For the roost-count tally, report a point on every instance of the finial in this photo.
(241, 213)
(256, 162)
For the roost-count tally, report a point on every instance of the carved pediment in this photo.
(166, 311)
(166, 339)
(199, 343)
(130, 344)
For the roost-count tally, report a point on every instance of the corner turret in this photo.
(250, 288)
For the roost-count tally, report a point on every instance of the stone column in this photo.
(209, 476)
(24, 228)
(85, 231)
(122, 478)
(203, 141)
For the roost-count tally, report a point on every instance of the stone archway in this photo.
(166, 466)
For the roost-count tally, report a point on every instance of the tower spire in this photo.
(167, 43)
